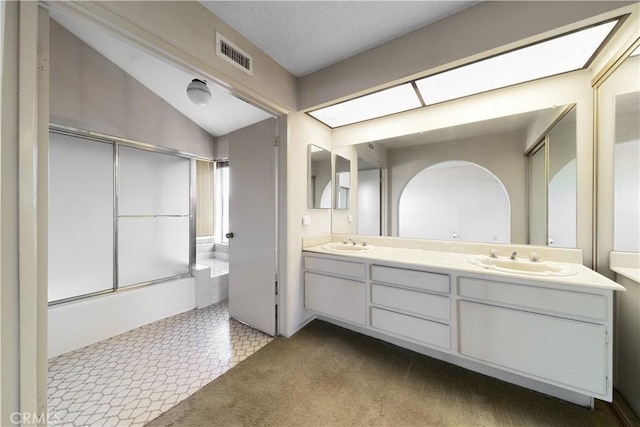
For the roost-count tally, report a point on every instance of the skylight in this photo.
(559, 55)
(568, 52)
(389, 101)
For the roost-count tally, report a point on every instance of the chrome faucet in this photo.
(534, 257)
(514, 254)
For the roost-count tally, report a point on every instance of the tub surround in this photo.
(551, 334)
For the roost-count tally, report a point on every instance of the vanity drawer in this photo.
(419, 303)
(332, 266)
(551, 300)
(427, 332)
(340, 298)
(411, 278)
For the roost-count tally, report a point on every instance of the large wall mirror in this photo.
(552, 185)
(318, 178)
(618, 159)
(471, 182)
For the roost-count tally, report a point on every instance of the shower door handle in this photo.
(229, 235)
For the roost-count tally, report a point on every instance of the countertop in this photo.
(458, 262)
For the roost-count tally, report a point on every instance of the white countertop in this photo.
(626, 264)
(459, 262)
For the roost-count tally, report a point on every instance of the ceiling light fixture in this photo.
(198, 92)
(558, 55)
(561, 54)
(389, 101)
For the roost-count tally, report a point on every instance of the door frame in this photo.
(32, 125)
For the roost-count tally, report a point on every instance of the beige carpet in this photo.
(328, 376)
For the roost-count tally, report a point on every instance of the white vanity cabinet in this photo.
(550, 336)
(335, 288)
(554, 335)
(412, 304)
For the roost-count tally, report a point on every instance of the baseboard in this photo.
(623, 413)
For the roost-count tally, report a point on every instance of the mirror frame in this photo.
(602, 230)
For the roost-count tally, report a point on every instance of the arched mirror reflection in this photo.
(455, 200)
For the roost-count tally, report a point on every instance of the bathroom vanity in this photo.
(547, 328)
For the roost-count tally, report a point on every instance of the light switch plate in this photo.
(306, 220)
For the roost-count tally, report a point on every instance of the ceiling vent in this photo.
(228, 51)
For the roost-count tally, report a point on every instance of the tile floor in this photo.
(132, 378)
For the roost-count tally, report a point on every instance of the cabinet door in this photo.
(340, 298)
(558, 350)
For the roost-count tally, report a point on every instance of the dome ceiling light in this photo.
(198, 92)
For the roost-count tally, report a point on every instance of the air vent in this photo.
(228, 51)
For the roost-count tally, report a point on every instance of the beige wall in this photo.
(9, 284)
(501, 154)
(184, 32)
(302, 131)
(485, 28)
(90, 92)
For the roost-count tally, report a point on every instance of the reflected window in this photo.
(222, 201)
(455, 200)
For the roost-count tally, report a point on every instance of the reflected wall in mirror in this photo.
(319, 178)
(342, 183)
(626, 172)
(618, 191)
(369, 198)
(466, 183)
(552, 185)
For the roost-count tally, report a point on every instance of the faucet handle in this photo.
(514, 255)
(364, 243)
(534, 257)
(493, 253)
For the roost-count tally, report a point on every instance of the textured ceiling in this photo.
(306, 36)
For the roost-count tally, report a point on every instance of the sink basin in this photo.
(347, 247)
(522, 266)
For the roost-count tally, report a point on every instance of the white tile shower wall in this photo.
(81, 323)
(204, 251)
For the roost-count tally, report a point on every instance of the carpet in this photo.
(329, 376)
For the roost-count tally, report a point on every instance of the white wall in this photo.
(80, 323)
(302, 130)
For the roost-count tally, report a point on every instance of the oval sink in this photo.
(522, 266)
(347, 247)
